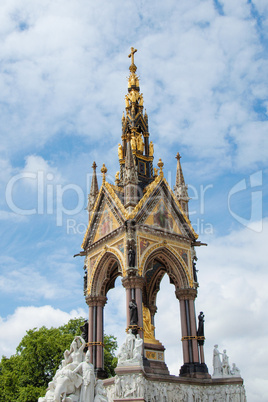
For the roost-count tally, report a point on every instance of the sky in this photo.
(203, 73)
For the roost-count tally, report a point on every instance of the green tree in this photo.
(25, 375)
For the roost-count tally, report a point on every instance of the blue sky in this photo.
(203, 73)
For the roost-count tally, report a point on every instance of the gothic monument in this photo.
(139, 229)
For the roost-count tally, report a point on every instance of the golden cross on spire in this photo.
(132, 54)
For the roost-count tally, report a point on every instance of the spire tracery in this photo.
(135, 126)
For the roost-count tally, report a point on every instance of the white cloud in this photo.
(201, 75)
(50, 277)
(14, 327)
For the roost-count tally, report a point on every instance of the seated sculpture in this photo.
(75, 380)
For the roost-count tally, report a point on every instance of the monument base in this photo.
(101, 373)
(194, 370)
(154, 353)
(134, 384)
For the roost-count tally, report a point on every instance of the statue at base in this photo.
(221, 366)
(74, 380)
(130, 352)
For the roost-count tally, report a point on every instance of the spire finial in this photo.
(180, 188)
(160, 165)
(103, 171)
(133, 51)
(94, 189)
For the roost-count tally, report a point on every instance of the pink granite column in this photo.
(193, 331)
(140, 314)
(100, 302)
(185, 350)
(202, 356)
(128, 298)
(134, 285)
(90, 332)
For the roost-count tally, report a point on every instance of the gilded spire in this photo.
(180, 188)
(94, 189)
(135, 131)
(130, 178)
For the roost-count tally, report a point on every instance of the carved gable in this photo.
(160, 209)
(107, 222)
(162, 218)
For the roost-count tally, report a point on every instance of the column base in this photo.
(194, 370)
(101, 373)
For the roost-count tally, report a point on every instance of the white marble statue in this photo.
(221, 366)
(130, 352)
(100, 392)
(74, 380)
(86, 370)
(217, 369)
(130, 344)
(225, 364)
(235, 370)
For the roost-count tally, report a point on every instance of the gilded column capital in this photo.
(186, 294)
(96, 301)
(131, 282)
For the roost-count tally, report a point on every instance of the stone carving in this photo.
(100, 392)
(221, 367)
(133, 309)
(130, 352)
(84, 329)
(194, 259)
(217, 369)
(85, 281)
(86, 370)
(131, 257)
(200, 331)
(225, 364)
(74, 380)
(136, 386)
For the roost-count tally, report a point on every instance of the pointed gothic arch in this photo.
(107, 269)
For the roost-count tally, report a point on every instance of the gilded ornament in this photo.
(140, 143)
(147, 326)
(133, 143)
(120, 151)
(117, 180)
(151, 149)
(160, 165)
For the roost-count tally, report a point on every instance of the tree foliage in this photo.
(25, 375)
